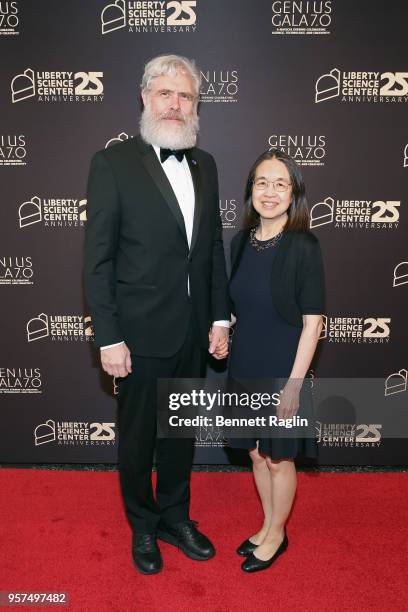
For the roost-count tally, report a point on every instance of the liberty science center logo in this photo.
(356, 214)
(149, 16)
(62, 328)
(52, 212)
(74, 433)
(362, 86)
(57, 86)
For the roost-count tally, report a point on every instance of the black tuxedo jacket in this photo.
(137, 258)
(297, 274)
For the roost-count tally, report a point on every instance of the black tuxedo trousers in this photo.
(137, 440)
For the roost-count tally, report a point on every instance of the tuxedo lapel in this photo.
(154, 168)
(198, 204)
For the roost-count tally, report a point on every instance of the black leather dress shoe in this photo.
(187, 538)
(253, 564)
(246, 548)
(146, 553)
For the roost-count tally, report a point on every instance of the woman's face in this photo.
(272, 190)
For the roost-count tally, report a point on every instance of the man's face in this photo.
(171, 99)
(169, 117)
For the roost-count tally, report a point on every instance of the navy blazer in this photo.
(297, 274)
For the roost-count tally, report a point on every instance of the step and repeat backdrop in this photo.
(326, 81)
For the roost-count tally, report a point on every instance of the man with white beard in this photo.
(156, 285)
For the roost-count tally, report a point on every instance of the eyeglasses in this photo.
(262, 184)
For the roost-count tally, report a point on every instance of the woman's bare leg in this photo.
(263, 485)
(283, 480)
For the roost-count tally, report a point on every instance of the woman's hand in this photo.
(289, 399)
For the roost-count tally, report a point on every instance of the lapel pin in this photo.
(193, 161)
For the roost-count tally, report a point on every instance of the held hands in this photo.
(218, 341)
(116, 361)
(289, 399)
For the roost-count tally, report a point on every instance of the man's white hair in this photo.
(170, 64)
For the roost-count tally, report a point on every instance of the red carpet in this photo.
(66, 531)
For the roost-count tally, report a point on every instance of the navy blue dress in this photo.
(264, 345)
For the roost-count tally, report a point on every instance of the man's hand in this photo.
(218, 339)
(116, 361)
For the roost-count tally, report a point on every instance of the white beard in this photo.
(157, 131)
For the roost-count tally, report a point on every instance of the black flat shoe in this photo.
(246, 548)
(146, 554)
(187, 538)
(253, 564)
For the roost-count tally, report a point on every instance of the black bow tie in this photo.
(165, 153)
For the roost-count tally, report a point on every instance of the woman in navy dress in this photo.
(277, 295)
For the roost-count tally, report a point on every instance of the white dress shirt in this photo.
(180, 179)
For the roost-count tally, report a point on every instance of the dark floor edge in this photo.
(112, 467)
